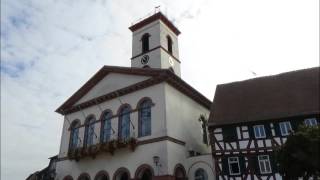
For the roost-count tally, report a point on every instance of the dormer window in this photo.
(169, 42)
(145, 42)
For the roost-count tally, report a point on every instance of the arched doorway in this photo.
(144, 172)
(102, 175)
(179, 172)
(121, 174)
(84, 176)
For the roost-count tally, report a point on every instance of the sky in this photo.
(50, 48)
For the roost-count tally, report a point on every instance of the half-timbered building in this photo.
(250, 119)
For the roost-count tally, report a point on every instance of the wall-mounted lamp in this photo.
(156, 160)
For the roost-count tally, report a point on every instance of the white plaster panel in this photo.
(243, 144)
(268, 143)
(245, 135)
(238, 133)
(260, 143)
(218, 137)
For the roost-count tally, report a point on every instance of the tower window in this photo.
(145, 42)
(169, 41)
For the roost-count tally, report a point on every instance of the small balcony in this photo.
(111, 146)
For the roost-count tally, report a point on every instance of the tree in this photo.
(299, 156)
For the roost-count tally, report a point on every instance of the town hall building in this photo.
(139, 122)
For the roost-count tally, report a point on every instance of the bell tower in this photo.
(155, 43)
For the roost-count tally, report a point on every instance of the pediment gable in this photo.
(111, 82)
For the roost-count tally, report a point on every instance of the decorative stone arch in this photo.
(83, 176)
(180, 172)
(120, 172)
(73, 123)
(201, 165)
(68, 177)
(142, 169)
(104, 112)
(89, 117)
(142, 100)
(123, 106)
(102, 173)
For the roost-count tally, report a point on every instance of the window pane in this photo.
(106, 131)
(125, 123)
(145, 118)
(234, 168)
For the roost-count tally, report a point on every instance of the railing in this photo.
(105, 147)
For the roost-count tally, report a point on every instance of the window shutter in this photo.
(273, 163)
(242, 164)
(251, 132)
(277, 129)
(225, 166)
(255, 164)
(229, 134)
(268, 130)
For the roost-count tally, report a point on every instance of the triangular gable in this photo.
(111, 82)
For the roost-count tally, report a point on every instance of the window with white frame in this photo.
(310, 122)
(259, 131)
(264, 164)
(234, 167)
(285, 128)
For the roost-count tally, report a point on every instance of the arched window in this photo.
(145, 118)
(74, 134)
(106, 127)
(124, 122)
(169, 42)
(89, 131)
(145, 42)
(200, 174)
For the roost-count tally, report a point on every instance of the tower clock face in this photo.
(171, 62)
(145, 59)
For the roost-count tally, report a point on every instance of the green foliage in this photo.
(299, 156)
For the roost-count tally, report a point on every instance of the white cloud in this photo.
(50, 48)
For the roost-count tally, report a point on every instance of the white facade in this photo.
(175, 129)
